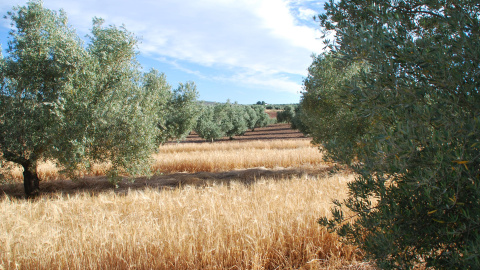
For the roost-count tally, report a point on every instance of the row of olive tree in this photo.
(287, 114)
(293, 115)
(79, 104)
(180, 113)
(397, 99)
(229, 120)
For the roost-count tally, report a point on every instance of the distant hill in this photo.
(267, 105)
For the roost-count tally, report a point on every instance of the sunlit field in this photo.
(267, 223)
(210, 157)
(225, 156)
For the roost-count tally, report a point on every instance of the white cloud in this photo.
(306, 13)
(279, 18)
(272, 81)
(266, 38)
(275, 83)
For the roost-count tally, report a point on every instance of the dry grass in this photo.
(48, 171)
(234, 145)
(250, 219)
(267, 225)
(209, 157)
(227, 156)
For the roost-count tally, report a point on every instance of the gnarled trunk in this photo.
(31, 182)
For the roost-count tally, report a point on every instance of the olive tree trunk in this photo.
(31, 181)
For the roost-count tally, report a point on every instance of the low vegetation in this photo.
(268, 224)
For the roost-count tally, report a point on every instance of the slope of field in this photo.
(271, 132)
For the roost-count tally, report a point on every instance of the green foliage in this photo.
(222, 116)
(40, 78)
(329, 105)
(286, 115)
(297, 121)
(229, 120)
(74, 104)
(181, 113)
(397, 100)
(155, 80)
(263, 119)
(251, 117)
(122, 128)
(209, 124)
(237, 116)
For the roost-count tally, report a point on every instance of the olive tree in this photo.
(237, 117)
(397, 100)
(181, 112)
(209, 124)
(298, 121)
(225, 120)
(263, 119)
(73, 104)
(156, 80)
(286, 115)
(251, 117)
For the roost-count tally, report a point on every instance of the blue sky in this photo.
(242, 50)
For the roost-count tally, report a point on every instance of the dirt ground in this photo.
(272, 132)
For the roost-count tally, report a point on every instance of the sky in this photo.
(239, 50)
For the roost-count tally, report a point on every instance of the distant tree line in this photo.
(229, 120)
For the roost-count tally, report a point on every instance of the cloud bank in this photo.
(264, 44)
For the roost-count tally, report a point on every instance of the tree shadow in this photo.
(95, 185)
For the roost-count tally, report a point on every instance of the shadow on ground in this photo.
(98, 184)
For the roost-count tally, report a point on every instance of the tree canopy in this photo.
(396, 99)
(227, 119)
(77, 104)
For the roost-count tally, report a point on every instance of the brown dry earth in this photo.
(97, 184)
(272, 132)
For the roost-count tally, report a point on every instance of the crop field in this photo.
(241, 204)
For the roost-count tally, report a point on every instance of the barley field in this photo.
(232, 205)
(226, 156)
(208, 157)
(267, 225)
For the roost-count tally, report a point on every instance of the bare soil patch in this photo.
(272, 113)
